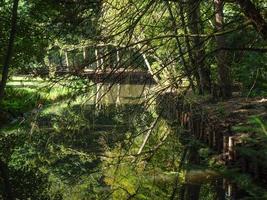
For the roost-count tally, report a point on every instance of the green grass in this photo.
(17, 101)
(24, 94)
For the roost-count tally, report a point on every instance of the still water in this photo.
(155, 174)
(121, 93)
(116, 146)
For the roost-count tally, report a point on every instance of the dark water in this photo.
(115, 146)
(123, 114)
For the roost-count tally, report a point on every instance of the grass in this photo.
(18, 101)
(24, 94)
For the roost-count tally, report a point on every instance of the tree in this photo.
(224, 77)
(198, 49)
(9, 51)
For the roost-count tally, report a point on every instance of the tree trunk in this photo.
(254, 15)
(198, 52)
(9, 52)
(187, 40)
(224, 75)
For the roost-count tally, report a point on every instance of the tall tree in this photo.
(10, 46)
(198, 51)
(224, 75)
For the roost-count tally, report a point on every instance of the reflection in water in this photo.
(90, 153)
(127, 178)
(121, 93)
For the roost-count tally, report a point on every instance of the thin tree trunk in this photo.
(255, 16)
(9, 48)
(195, 27)
(186, 38)
(224, 75)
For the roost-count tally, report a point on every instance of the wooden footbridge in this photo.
(113, 76)
(101, 63)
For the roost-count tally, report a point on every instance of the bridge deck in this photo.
(113, 75)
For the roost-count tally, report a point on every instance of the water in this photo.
(126, 117)
(121, 93)
(114, 147)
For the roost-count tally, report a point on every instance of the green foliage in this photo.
(251, 72)
(30, 183)
(60, 145)
(254, 149)
(18, 101)
(24, 94)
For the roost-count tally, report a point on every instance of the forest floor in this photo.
(240, 112)
(236, 130)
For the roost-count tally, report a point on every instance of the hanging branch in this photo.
(255, 16)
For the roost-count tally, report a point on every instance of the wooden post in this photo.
(118, 101)
(229, 190)
(85, 53)
(225, 146)
(96, 58)
(102, 52)
(231, 148)
(98, 95)
(67, 59)
(117, 56)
